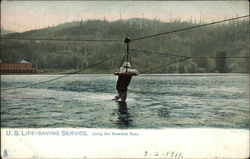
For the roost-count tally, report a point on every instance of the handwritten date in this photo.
(168, 154)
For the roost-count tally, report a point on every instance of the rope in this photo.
(63, 75)
(120, 41)
(166, 54)
(151, 52)
(178, 30)
(181, 60)
(66, 40)
(230, 57)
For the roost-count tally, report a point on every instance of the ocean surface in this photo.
(154, 101)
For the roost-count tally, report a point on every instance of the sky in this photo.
(20, 16)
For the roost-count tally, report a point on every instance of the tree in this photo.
(182, 68)
(221, 62)
(192, 67)
(205, 41)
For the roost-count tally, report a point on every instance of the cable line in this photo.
(178, 30)
(230, 57)
(181, 60)
(66, 40)
(120, 41)
(159, 53)
(166, 54)
(75, 72)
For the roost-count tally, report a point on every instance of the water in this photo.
(154, 101)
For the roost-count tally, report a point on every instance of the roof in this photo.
(23, 61)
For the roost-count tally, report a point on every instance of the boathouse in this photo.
(21, 67)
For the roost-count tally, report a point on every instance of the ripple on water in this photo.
(154, 101)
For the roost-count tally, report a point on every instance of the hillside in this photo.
(4, 32)
(230, 39)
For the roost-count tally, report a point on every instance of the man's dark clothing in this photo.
(123, 82)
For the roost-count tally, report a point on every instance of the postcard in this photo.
(124, 79)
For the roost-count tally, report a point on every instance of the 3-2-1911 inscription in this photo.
(167, 154)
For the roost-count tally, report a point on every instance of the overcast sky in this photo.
(22, 16)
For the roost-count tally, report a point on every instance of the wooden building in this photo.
(22, 67)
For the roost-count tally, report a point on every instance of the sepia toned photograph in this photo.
(121, 69)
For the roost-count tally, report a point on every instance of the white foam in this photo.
(95, 96)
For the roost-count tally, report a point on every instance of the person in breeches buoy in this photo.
(122, 87)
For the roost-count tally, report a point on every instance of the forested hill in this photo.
(3, 32)
(228, 39)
